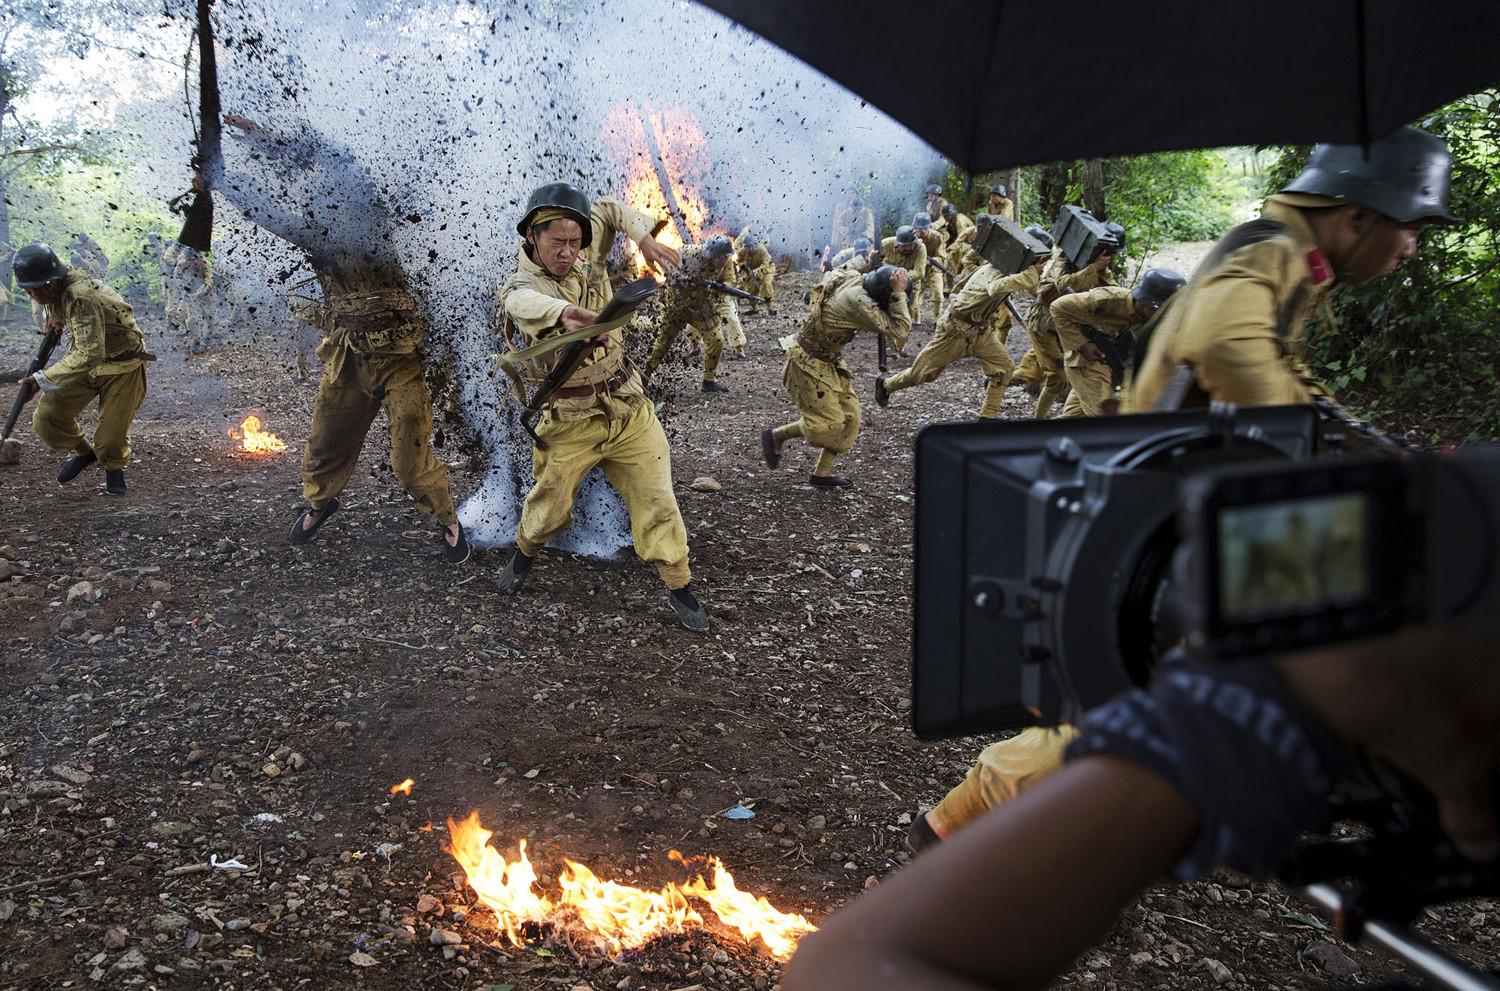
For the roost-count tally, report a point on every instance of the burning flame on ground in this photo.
(623, 916)
(255, 440)
(676, 148)
(404, 788)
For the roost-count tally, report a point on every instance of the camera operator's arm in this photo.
(1012, 899)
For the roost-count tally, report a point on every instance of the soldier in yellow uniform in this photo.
(933, 202)
(1002, 772)
(1083, 320)
(373, 331)
(962, 260)
(975, 325)
(816, 378)
(906, 250)
(1041, 369)
(955, 225)
(930, 287)
(1000, 203)
(106, 360)
(859, 255)
(755, 269)
(711, 314)
(1234, 333)
(852, 220)
(600, 417)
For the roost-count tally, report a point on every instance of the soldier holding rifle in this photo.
(599, 415)
(106, 360)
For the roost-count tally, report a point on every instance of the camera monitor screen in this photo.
(1298, 556)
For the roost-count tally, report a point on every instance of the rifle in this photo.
(1109, 347)
(940, 266)
(50, 338)
(620, 305)
(724, 288)
(1340, 428)
(1015, 313)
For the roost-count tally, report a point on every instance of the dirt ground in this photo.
(213, 693)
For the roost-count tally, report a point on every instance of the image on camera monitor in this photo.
(1298, 556)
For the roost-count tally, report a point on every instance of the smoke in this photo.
(445, 117)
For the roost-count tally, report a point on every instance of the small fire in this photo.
(255, 440)
(623, 916)
(404, 788)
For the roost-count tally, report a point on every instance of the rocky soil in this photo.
(200, 722)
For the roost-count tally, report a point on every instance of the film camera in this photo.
(1057, 561)
(1049, 578)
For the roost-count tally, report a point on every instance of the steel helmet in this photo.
(861, 244)
(560, 196)
(949, 209)
(922, 221)
(934, 190)
(998, 189)
(1118, 233)
(1156, 286)
(906, 234)
(1405, 176)
(877, 284)
(36, 265)
(717, 247)
(1036, 231)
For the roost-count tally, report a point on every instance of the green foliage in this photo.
(1173, 196)
(1422, 346)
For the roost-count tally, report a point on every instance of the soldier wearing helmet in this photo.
(1090, 326)
(1041, 370)
(843, 303)
(931, 287)
(852, 219)
(755, 272)
(599, 417)
(861, 255)
(974, 325)
(105, 360)
(711, 315)
(1000, 203)
(1347, 218)
(933, 202)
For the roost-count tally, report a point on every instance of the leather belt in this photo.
(596, 389)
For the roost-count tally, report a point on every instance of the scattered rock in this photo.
(817, 823)
(7, 570)
(1332, 959)
(235, 925)
(83, 593)
(444, 937)
(169, 922)
(1220, 973)
(171, 828)
(428, 904)
(705, 483)
(7, 909)
(271, 770)
(10, 451)
(72, 774)
(8, 552)
(114, 938)
(132, 959)
(48, 789)
(361, 959)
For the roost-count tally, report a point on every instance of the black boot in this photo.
(457, 552)
(516, 570)
(829, 482)
(769, 449)
(688, 609)
(114, 481)
(882, 398)
(709, 385)
(74, 466)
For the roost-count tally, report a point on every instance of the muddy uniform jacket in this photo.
(1059, 278)
(755, 270)
(849, 259)
(1239, 323)
(961, 227)
(534, 299)
(103, 338)
(914, 262)
(980, 305)
(843, 310)
(932, 240)
(1107, 309)
(962, 258)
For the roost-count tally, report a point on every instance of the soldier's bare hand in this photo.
(1104, 261)
(659, 256)
(1091, 351)
(576, 318)
(901, 280)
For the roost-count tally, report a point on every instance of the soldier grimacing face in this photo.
(557, 248)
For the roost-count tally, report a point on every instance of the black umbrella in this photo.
(995, 84)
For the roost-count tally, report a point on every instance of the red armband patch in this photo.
(1317, 264)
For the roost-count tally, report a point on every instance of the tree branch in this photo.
(41, 150)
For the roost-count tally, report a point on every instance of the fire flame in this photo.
(254, 440)
(674, 150)
(404, 788)
(623, 916)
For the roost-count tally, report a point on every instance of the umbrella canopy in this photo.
(994, 84)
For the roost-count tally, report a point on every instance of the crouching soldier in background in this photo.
(1089, 326)
(816, 378)
(600, 417)
(106, 360)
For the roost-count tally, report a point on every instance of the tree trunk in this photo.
(5, 250)
(1093, 187)
(1052, 189)
(1011, 180)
